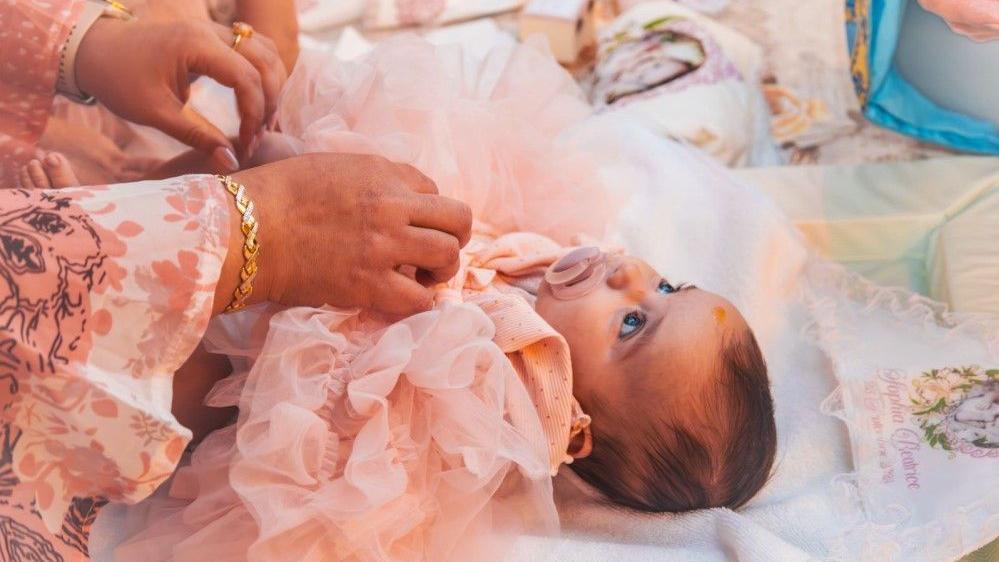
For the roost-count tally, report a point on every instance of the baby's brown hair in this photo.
(668, 464)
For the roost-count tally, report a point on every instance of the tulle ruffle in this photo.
(496, 134)
(357, 442)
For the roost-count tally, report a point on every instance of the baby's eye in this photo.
(665, 288)
(632, 322)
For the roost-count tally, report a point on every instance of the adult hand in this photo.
(975, 19)
(337, 228)
(277, 19)
(142, 70)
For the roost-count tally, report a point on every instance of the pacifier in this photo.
(577, 273)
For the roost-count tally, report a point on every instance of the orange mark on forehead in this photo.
(719, 314)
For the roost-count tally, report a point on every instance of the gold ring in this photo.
(240, 31)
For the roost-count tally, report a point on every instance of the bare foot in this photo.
(52, 172)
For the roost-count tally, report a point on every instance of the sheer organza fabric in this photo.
(359, 441)
(494, 133)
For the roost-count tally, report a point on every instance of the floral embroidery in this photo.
(101, 299)
(51, 260)
(85, 360)
(958, 409)
(22, 536)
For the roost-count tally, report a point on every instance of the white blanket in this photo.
(696, 222)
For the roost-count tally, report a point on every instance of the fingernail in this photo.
(254, 143)
(226, 159)
(53, 159)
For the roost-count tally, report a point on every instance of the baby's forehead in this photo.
(705, 325)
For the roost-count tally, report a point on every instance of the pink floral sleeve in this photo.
(104, 292)
(31, 36)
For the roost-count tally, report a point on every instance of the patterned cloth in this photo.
(105, 292)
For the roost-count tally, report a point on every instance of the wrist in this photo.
(67, 83)
(91, 56)
(272, 274)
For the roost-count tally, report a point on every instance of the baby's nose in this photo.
(626, 277)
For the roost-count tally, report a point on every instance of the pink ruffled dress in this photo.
(429, 438)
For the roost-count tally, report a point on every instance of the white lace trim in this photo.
(874, 532)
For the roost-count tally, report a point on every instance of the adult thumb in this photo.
(183, 123)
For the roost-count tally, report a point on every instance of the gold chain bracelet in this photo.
(251, 247)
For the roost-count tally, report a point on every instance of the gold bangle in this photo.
(251, 247)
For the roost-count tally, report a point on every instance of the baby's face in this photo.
(637, 341)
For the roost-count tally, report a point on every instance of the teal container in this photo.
(906, 66)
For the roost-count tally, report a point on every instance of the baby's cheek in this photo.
(593, 377)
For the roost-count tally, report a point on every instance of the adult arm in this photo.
(107, 290)
(105, 293)
(139, 69)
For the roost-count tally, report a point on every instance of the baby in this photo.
(428, 437)
(369, 438)
(671, 376)
(673, 379)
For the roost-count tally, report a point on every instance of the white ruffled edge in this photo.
(866, 538)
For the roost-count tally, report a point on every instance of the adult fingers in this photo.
(416, 181)
(183, 123)
(431, 250)
(217, 60)
(261, 52)
(402, 295)
(443, 214)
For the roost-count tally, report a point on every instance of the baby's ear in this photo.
(581, 444)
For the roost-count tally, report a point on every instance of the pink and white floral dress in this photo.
(104, 293)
